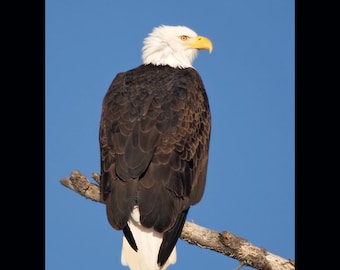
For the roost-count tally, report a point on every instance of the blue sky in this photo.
(249, 78)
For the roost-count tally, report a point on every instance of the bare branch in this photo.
(225, 242)
(80, 184)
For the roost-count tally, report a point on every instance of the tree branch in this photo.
(223, 242)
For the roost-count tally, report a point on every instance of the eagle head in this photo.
(176, 46)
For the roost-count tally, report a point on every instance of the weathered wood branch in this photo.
(224, 242)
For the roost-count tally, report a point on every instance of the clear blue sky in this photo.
(249, 78)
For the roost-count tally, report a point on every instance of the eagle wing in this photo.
(154, 141)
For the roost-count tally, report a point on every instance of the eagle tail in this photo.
(148, 243)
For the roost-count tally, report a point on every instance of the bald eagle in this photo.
(154, 140)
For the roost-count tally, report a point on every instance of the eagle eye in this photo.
(183, 37)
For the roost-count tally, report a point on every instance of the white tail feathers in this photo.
(148, 242)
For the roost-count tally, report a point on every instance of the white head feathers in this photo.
(176, 46)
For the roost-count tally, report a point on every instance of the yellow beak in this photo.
(201, 43)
